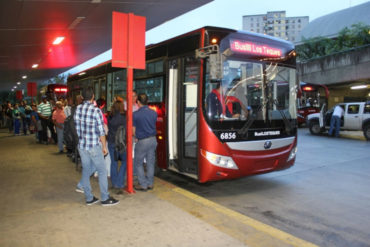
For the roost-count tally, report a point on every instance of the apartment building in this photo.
(275, 23)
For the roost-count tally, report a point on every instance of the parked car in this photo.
(356, 117)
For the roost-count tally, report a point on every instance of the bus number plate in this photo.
(228, 135)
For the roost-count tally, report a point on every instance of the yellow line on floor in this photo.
(249, 238)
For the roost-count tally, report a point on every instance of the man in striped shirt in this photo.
(92, 148)
(45, 111)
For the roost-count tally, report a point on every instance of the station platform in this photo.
(41, 208)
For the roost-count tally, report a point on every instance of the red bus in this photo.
(250, 77)
(311, 97)
(54, 91)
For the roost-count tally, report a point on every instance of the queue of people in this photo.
(92, 139)
(96, 138)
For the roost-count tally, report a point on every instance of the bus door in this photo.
(100, 87)
(183, 116)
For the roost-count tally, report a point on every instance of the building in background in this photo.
(275, 23)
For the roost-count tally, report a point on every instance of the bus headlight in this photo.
(219, 160)
(292, 153)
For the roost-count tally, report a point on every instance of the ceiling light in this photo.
(58, 40)
(12, 89)
(82, 73)
(95, 1)
(24, 77)
(35, 66)
(76, 22)
(358, 87)
(15, 87)
(19, 83)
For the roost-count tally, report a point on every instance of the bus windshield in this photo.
(251, 92)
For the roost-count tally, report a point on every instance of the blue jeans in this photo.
(117, 176)
(145, 148)
(17, 125)
(334, 123)
(60, 136)
(92, 160)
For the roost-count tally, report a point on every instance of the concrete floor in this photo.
(41, 208)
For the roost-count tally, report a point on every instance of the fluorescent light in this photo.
(35, 66)
(358, 87)
(76, 22)
(19, 83)
(12, 89)
(58, 40)
(24, 77)
(82, 73)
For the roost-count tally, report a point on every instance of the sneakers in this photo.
(110, 202)
(80, 190)
(93, 201)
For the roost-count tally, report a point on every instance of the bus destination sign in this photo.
(242, 46)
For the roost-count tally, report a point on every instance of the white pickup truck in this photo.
(356, 117)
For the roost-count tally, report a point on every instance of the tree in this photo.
(348, 38)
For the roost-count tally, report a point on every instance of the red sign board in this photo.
(242, 46)
(32, 89)
(18, 94)
(128, 41)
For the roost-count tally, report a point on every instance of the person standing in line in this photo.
(35, 120)
(27, 111)
(144, 128)
(335, 120)
(45, 110)
(17, 119)
(116, 119)
(92, 148)
(68, 107)
(58, 118)
(9, 117)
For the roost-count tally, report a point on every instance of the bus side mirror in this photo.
(215, 67)
(214, 58)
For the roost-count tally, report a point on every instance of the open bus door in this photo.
(182, 122)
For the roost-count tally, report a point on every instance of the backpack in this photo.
(119, 141)
(70, 136)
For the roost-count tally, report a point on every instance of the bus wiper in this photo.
(251, 118)
(287, 123)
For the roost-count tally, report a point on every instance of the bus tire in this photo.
(314, 127)
(366, 130)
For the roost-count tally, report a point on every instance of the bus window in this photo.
(119, 83)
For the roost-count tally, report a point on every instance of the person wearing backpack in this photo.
(117, 145)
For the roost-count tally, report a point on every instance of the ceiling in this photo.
(29, 27)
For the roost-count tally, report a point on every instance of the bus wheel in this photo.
(314, 127)
(367, 132)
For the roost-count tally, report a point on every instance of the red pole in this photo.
(129, 187)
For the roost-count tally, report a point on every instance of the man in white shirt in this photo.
(335, 120)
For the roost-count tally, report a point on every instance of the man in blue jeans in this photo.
(335, 120)
(92, 148)
(144, 129)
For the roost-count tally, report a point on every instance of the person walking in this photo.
(92, 148)
(335, 120)
(58, 118)
(144, 123)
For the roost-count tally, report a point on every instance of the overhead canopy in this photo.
(330, 25)
(29, 27)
